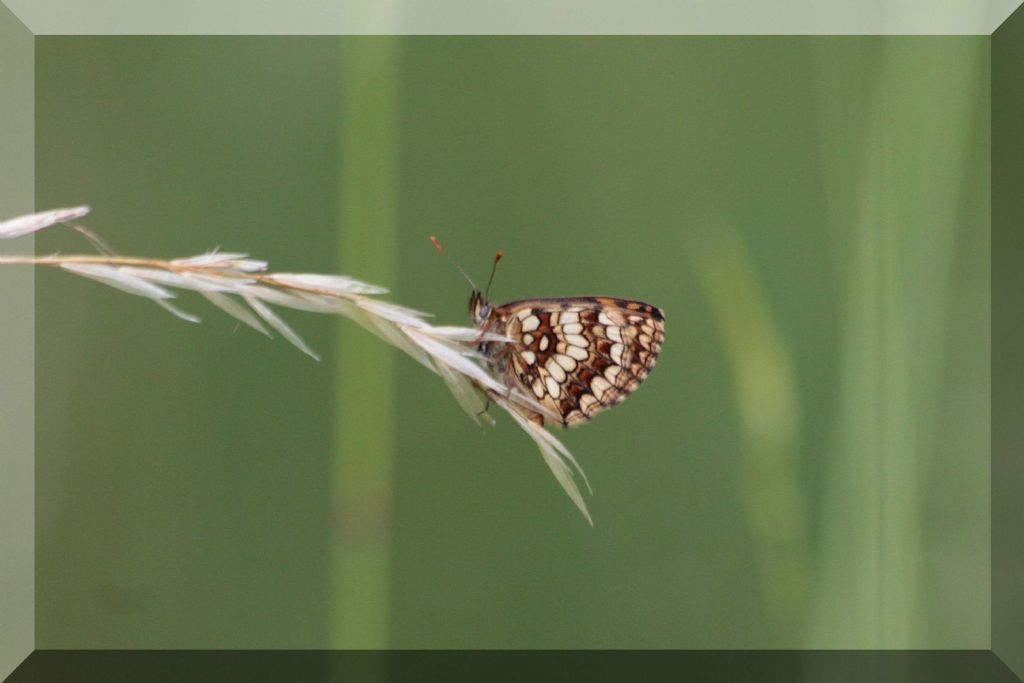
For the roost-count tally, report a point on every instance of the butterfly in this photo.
(576, 356)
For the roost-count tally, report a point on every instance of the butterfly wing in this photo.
(579, 356)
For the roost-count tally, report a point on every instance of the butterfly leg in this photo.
(484, 329)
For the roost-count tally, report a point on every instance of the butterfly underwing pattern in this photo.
(576, 355)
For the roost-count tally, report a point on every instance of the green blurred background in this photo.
(807, 466)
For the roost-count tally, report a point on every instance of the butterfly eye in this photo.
(485, 310)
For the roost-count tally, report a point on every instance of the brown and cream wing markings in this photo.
(581, 355)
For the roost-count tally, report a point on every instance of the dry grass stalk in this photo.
(242, 288)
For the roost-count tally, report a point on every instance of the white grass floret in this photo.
(24, 225)
(117, 278)
(338, 285)
(271, 318)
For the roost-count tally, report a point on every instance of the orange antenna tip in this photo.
(494, 267)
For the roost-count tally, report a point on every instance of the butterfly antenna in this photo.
(494, 268)
(455, 263)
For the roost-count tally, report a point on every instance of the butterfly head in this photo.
(480, 309)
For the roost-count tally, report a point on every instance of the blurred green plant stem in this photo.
(365, 381)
